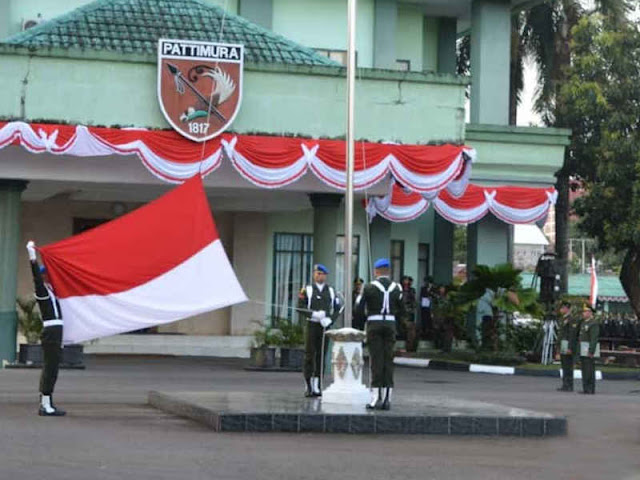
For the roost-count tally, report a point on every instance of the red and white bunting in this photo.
(513, 205)
(268, 162)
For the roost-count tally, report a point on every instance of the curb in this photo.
(502, 370)
(38, 366)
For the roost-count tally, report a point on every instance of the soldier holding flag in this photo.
(51, 335)
(319, 307)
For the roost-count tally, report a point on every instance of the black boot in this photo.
(386, 404)
(48, 409)
(309, 389)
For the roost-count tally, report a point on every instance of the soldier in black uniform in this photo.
(382, 305)
(569, 330)
(51, 336)
(319, 308)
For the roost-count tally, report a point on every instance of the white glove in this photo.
(31, 248)
(318, 315)
(325, 322)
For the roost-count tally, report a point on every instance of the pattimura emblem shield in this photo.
(199, 86)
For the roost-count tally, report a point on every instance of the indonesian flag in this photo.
(158, 264)
(593, 296)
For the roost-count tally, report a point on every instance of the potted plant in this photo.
(266, 339)
(292, 349)
(30, 325)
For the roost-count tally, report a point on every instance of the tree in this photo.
(547, 38)
(601, 101)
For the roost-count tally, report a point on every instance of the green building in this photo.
(94, 64)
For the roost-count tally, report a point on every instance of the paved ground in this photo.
(111, 434)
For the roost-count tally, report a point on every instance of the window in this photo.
(292, 266)
(403, 65)
(339, 276)
(397, 259)
(423, 264)
(339, 56)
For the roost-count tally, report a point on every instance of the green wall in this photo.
(276, 99)
(323, 24)
(409, 36)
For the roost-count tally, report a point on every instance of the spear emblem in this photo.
(181, 80)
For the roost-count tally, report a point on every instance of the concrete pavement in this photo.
(110, 433)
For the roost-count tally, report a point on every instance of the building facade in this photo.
(95, 64)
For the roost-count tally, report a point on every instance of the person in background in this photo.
(358, 283)
(589, 348)
(568, 333)
(426, 302)
(410, 304)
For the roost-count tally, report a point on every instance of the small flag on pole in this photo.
(593, 297)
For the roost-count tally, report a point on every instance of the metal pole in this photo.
(348, 198)
(584, 269)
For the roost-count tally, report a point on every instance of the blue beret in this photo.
(320, 268)
(43, 269)
(382, 263)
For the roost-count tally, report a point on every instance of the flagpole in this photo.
(348, 198)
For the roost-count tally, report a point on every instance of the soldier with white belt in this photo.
(319, 308)
(51, 336)
(382, 306)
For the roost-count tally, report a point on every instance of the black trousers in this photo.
(312, 350)
(588, 374)
(52, 354)
(381, 340)
(567, 372)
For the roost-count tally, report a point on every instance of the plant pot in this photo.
(291, 358)
(30, 354)
(263, 357)
(73, 355)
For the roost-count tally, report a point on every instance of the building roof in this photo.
(609, 286)
(134, 27)
(529, 235)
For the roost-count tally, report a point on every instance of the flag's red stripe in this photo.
(135, 248)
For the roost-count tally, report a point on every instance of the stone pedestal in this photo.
(347, 360)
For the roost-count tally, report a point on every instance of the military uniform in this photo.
(51, 339)
(318, 304)
(569, 348)
(589, 351)
(382, 305)
(409, 299)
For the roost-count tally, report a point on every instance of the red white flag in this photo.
(593, 297)
(158, 264)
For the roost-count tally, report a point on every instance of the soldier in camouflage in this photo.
(589, 348)
(569, 330)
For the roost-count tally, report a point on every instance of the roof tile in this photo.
(134, 26)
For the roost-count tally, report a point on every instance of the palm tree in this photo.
(543, 33)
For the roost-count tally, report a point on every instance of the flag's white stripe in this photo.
(202, 283)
